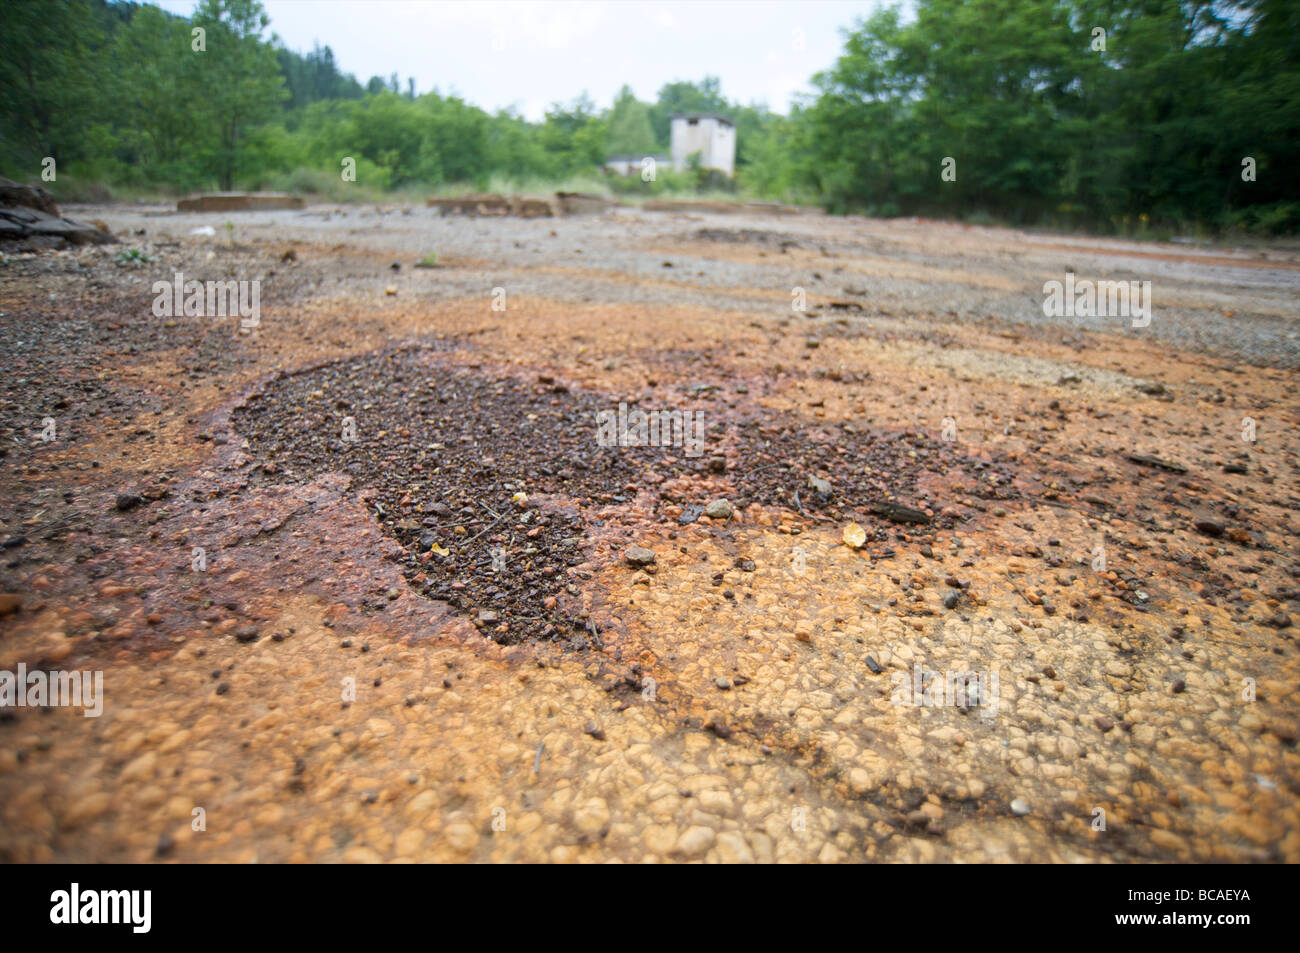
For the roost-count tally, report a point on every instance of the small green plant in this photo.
(428, 261)
(132, 256)
(230, 232)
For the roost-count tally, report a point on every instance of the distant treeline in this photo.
(1124, 116)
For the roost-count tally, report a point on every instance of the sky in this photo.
(528, 54)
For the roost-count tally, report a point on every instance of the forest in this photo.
(1125, 117)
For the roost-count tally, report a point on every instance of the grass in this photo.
(132, 256)
(328, 187)
(526, 185)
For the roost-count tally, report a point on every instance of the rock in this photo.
(917, 819)
(1103, 723)
(732, 849)
(128, 501)
(723, 683)
(819, 486)
(246, 633)
(593, 729)
(1147, 460)
(950, 599)
(1020, 807)
(718, 510)
(874, 666)
(461, 836)
(695, 841)
(141, 768)
(638, 556)
(899, 514)
(1209, 526)
(591, 816)
(28, 213)
(27, 196)
(1179, 687)
(1279, 620)
(9, 603)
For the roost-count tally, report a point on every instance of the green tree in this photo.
(630, 131)
(52, 69)
(240, 77)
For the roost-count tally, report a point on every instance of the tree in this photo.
(51, 72)
(573, 137)
(630, 132)
(240, 76)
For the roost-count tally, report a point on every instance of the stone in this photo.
(718, 510)
(591, 816)
(695, 841)
(461, 836)
(28, 213)
(638, 556)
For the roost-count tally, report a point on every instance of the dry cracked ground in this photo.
(364, 584)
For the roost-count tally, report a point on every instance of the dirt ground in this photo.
(930, 576)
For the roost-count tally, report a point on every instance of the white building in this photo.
(711, 135)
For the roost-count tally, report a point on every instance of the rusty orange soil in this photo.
(1137, 617)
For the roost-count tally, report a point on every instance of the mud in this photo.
(1103, 517)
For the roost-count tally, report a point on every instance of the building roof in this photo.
(717, 116)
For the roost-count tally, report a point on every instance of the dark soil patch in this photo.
(442, 450)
